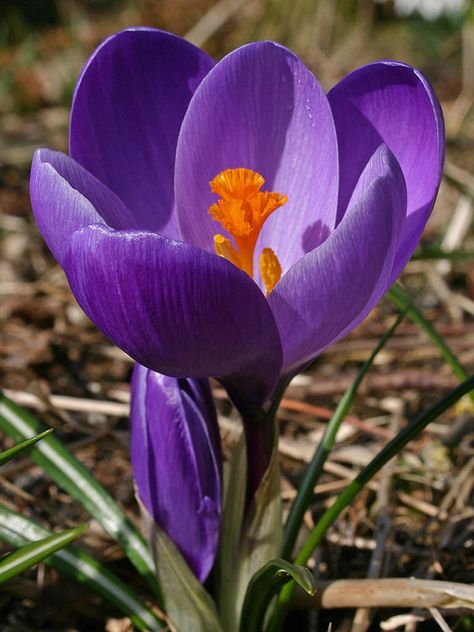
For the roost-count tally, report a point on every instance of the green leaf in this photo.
(18, 530)
(265, 584)
(6, 455)
(262, 532)
(315, 467)
(31, 554)
(392, 448)
(51, 455)
(244, 549)
(235, 484)
(187, 603)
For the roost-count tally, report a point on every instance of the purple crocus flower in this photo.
(321, 199)
(176, 459)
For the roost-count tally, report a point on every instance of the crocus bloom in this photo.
(176, 459)
(231, 219)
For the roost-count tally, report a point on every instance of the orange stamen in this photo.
(270, 269)
(224, 248)
(242, 211)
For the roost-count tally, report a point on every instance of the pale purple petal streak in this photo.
(262, 109)
(127, 110)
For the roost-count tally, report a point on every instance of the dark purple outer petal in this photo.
(330, 290)
(174, 307)
(392, 103)
(176, 463)
(65, 197)
(127, 110)
(261, 108)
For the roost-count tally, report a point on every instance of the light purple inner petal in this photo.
(333, 288)
(392, 103)
(127, 110)
(260, 108)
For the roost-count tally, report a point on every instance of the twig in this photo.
(460, 178)
(456, 231)
(75, 404)
(416, 503)
(437, 616)
(408, 621)
(361, 620)
(213, 20)
(326, 414)
(457, 483)
(388, 593)
(321, 412)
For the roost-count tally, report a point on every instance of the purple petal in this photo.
(262, 109)
(127, 110)
(330, 290)
(176, 463)
(392, 103)
(201, 394)
(65, 197)
(173, 307)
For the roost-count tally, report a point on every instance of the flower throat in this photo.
(242, 211)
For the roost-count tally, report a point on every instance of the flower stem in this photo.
(260, 436)
(260, 432)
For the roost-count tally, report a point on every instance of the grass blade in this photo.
(12, 452)
(51, 455)
(392, 448)
(31, 554)
(315, 467)
(18, 530)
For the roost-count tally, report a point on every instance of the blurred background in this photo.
(43, 45)
(55, 362)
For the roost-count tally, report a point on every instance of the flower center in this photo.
(242, 210)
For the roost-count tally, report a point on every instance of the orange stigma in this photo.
(242, 210)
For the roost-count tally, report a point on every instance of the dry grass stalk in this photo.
(388, 593)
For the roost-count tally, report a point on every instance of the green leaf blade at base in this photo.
(262, 530)
(18, 530)
(188, 604)
(31, 554)
(17, 449)
(247, 543)
(235, 484)
(63, 467)
(265, 584)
